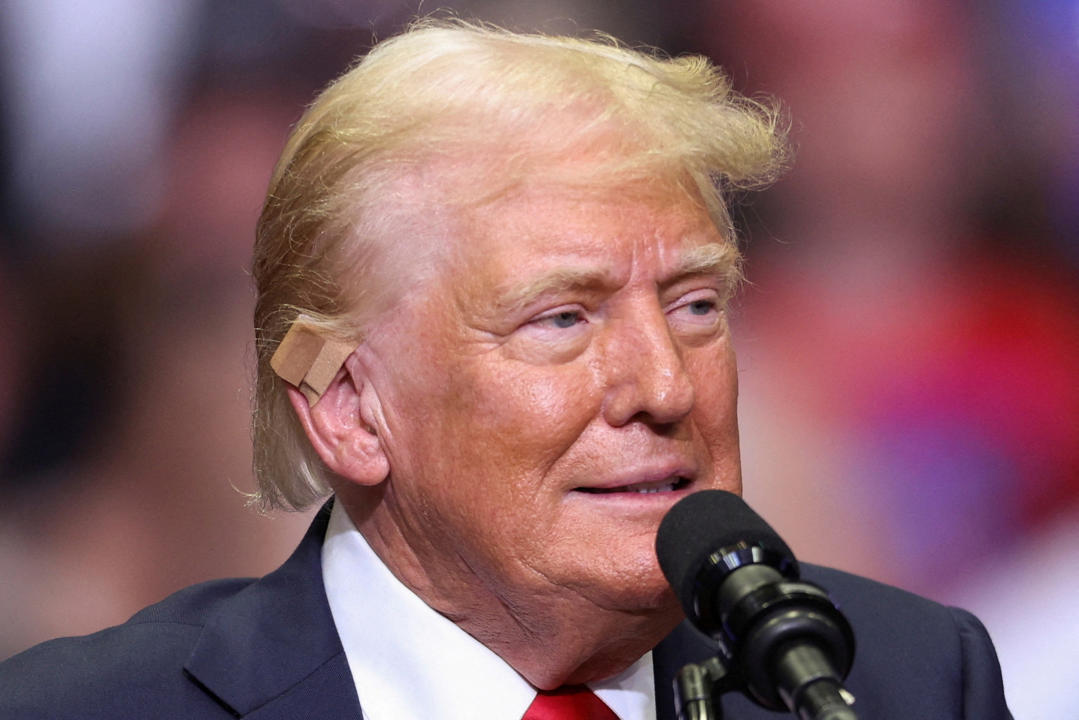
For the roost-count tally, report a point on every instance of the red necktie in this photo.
(570, 702)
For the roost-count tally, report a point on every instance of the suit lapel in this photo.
(272, 651)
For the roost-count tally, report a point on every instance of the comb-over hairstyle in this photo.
(585, 114)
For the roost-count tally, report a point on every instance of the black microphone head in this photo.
(704, 523)
(738, 582)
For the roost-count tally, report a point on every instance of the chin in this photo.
(633, 593)
(613, 573)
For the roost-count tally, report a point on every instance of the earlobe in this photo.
(340, 428)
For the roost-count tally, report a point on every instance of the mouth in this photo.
(666, 485)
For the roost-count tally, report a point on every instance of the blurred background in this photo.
(909, 342)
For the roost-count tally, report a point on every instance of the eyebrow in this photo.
(719, 259)
(561, 280)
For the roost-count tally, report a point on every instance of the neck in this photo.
(554, 643)
(552, 636)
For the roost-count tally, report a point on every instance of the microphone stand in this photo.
(694, 687)
(783, 642)
(697, 685)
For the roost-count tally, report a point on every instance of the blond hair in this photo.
(478, 94)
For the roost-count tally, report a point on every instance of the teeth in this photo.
(643, 488)
(663, 488)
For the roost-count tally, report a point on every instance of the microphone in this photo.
(780, 639)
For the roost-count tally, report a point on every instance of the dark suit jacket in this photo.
(268, 649)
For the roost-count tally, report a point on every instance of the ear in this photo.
(340, 426)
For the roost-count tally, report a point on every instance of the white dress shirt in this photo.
(408, 661)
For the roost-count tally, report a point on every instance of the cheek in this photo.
(715, 380)
(501, 429)
(532, 410)
(717, 421)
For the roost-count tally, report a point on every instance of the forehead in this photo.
(505, 256)
(541, 233)
(542, 224)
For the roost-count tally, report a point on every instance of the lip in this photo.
(657, 480)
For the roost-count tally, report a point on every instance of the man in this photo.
(492, 275)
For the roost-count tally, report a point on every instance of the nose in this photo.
(646, 377)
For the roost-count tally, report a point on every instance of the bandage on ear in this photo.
(308, 361)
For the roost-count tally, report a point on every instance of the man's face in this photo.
(562, 379)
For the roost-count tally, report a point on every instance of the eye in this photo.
(560, 319)
(555, 336)
(699, 304)
(702, 307)
(696, 312)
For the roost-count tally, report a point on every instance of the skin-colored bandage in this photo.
(308, 361)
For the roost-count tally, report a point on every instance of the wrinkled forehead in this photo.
(446, 203)
(444, 216)
(550, 227)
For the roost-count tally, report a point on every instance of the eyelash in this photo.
(705, 300)
(552, 318)
(711, 305)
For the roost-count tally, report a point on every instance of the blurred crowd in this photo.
(908, 341)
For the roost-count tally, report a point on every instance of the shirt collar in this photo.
(408, 661)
